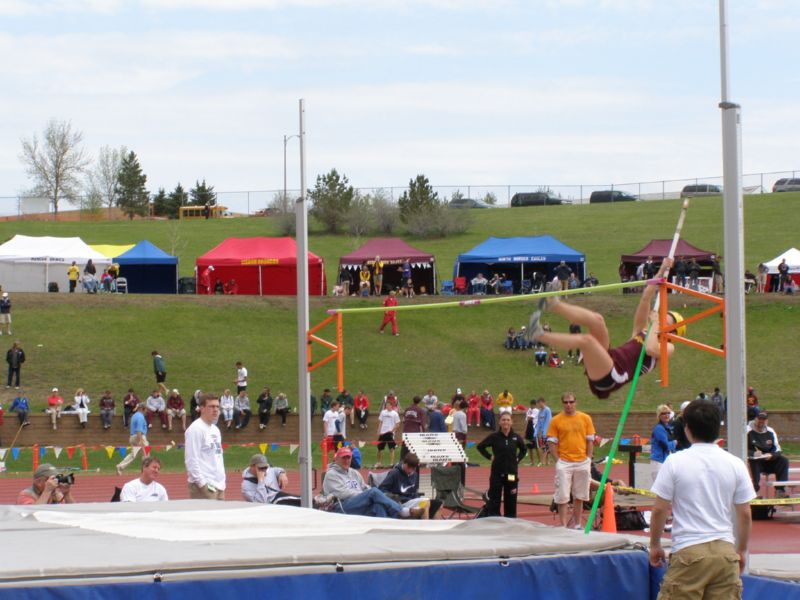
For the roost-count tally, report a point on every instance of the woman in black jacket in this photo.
(507, 450)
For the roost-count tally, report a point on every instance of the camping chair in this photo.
(122, 285)
(526, 287)
(461, 285)
(376, 479)
(447, 486)
(508, 286)
(447, 288)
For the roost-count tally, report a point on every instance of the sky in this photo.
(467, 92)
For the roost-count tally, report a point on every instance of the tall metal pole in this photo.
(285, 139)
(303, 379)
(735, 341)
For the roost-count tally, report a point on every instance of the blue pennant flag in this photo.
(42, 451)
(122, 451)
(15, 453)
(274, 447)
(470, 444)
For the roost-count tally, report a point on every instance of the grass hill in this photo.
(103, 342)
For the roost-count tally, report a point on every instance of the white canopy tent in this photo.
(29, 264)
(792, 256)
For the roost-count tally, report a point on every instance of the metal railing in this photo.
(255, 201)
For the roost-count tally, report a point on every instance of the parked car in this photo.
(469, 203)
(700, 189)
(787, 184)
(534, 199)
(610, 196)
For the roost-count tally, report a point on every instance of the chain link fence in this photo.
(259, 201)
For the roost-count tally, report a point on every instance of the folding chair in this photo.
(122, 285)
(447, 486)
(508, 286)
(461, 285)
(526, 287)
(376, 479)
(447, 288)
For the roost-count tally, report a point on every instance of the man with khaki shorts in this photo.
(203, 453)
(138, 437)
(571, 438)
(707, 489)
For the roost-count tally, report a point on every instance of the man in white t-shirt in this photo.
(241, 377)
(203, 453)
(388, 424)
(145, 488)
(707, 488)
(332, 423)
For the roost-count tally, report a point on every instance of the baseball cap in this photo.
(684, 405)
(54, 390)
(259, 460)
(762, 415)
(343, 451)
(45, 470)
(458, 390)
(5, 294)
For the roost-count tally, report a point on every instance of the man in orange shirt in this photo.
(571, 438)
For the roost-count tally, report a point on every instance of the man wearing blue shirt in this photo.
(138, 437)
(540, 432)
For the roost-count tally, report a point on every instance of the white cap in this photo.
(684, 405)
(458, 390)
(5, 294)
(54, 390)
(175, 391)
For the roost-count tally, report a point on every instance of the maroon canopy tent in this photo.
(658, 249)
(262, 266)
(393, 251)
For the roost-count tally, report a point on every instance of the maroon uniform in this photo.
(625, 358)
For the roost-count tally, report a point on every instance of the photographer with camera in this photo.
(50, 486)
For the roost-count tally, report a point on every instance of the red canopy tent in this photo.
(262, 266)
(393, 251)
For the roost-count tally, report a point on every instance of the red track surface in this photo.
(777, 536)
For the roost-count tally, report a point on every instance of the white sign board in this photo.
(435, 448)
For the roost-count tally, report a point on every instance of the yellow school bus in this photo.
(199, 212)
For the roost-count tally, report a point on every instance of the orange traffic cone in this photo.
(535, 488)
(609, 518)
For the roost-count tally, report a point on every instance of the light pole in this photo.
(286, 139)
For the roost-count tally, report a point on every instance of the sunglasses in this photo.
(663, 414)
(263, 468)
(568, 402)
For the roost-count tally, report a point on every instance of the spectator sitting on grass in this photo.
(522, 343)
(555, 360)
(540, 355)
(511, 339)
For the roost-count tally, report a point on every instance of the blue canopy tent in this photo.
(519, 258)
(149, 270)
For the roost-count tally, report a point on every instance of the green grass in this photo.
(103, 342)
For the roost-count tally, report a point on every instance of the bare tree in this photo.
(54, 166)
(105, 174)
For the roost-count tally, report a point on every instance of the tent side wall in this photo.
(276, 280)
(150, 279)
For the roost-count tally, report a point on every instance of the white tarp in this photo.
(29, 264)
(792, 256)
(251, 522)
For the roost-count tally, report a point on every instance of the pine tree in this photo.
(177, 198)
(331, 198)
(418, 198)
(202, 194)
(132, 195)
